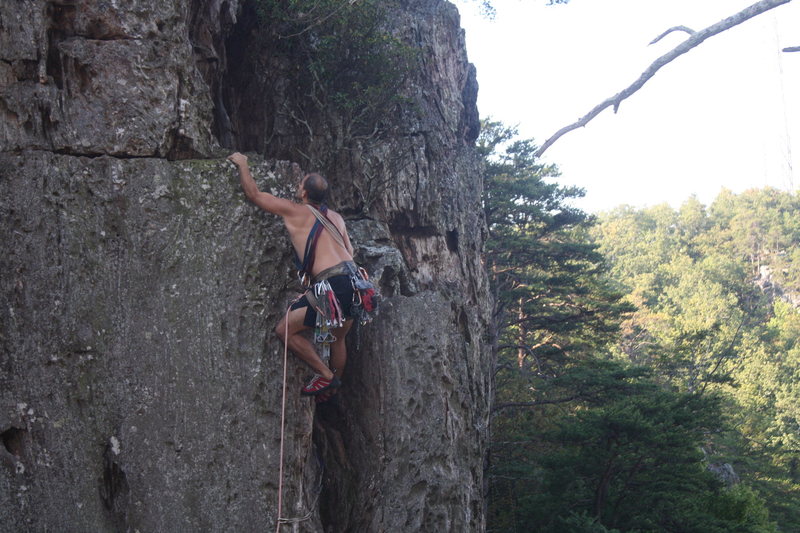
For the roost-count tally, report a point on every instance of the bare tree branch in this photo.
(792, 49)
(675, 28)
(694, 39)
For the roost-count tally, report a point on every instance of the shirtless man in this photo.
(331, 262)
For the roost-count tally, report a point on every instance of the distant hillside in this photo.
(717, 291)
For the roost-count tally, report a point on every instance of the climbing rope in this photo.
(283, 418)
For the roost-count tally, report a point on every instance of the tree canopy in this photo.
(640, 356)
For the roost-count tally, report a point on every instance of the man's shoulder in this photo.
(336, 217)
(332, 213)
(297, 210)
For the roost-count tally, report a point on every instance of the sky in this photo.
(724, 115)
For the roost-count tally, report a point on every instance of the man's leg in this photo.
(338, 358)
(339, 348)
(299, 345)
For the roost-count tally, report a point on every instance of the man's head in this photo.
(313, 188)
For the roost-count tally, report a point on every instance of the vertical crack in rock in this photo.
(59, 29)
(114, 489)
(209, 24)
(244, 115)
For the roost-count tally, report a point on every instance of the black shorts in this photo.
(342, 288)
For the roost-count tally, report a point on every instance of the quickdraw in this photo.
(329, 312)
(366, 298)
(329, 317)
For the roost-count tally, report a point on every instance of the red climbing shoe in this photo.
(318, 385)
(325, 396)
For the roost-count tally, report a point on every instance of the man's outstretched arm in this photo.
(264, 200)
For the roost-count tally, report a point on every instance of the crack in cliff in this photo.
(178, 142)
(114, 489)
(94, 155)
(92, 38)
(89, 155)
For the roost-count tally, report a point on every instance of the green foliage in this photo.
(549, 298)
(660, 258)
(712, 287)
(762, 228)
(624, 454)
(345, 65)
(581, 443)
(740, 505)
(610, 409)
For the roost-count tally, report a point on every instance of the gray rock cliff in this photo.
(140, 382)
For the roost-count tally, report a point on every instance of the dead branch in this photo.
(792, 49)
(675, 28)
(694, 40)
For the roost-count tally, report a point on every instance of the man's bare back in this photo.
(299, 221)
(328, 252)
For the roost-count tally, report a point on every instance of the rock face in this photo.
(140, 382)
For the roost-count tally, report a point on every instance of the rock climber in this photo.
(326, 257)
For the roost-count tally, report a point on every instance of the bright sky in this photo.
(724, 115)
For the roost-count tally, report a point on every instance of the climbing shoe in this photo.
(318, 385)
(325, 396)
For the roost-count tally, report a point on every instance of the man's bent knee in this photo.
(295, 324)
(280, 330)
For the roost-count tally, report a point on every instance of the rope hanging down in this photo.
(283, 417)
(322, 336)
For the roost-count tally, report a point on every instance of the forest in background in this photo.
(647, 359)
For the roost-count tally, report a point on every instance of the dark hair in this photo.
(317, 187)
